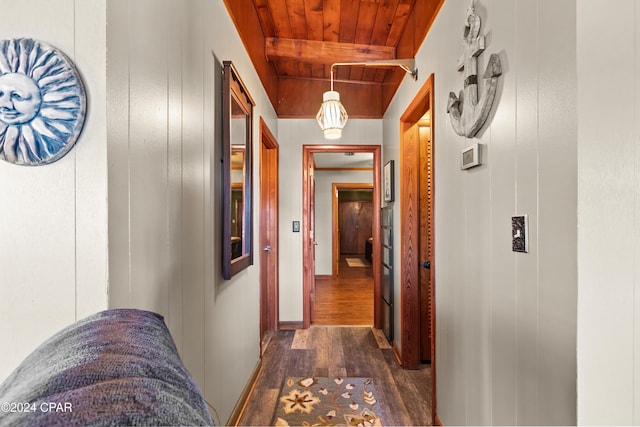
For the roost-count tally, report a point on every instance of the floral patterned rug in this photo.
(317, 401)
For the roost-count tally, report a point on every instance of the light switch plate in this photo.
(296, 226)
(520, 233)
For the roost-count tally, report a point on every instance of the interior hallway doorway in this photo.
(342, 286)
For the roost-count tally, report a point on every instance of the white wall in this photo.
(164, 103)
(608, 212)
(506, 322)
(292, 135)
(324, 212)
(54, 240)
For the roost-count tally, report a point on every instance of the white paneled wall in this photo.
(164, 81)
(54, 240)
(506, 337)
(292, 135)
(608, 56)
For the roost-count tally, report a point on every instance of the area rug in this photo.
(320, 401)
(357, 262)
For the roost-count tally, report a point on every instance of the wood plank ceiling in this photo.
(293, 43)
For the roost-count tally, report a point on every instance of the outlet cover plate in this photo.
(520, 233)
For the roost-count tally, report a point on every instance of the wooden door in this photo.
(348, 226)
(364, 225)
(426, 241)
(268, 230)
(312, 241)
(354, 219)
(409, 246)
(419, 113)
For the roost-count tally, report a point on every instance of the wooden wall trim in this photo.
(290, 326)
(396, 353)
(437, 421)
(247, 391)
(308, 277)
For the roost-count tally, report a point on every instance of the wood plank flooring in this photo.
(405, 395)
(346, 299)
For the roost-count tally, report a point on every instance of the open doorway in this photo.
(319, 242)
(417, 241)
(352, 218)
(345, 295)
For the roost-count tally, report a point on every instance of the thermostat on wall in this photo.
(470, 156)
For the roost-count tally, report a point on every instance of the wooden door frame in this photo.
(307, 176)
(410, 264)
(269, 153)
(335, 188)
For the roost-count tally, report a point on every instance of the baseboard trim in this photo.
(241, 404)
(325, 276)
(288, 326)
(437, 420)
(396, 353)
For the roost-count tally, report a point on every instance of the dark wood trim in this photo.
(290, 326)
(269, 275)
(234, 88)
(410, 264)
(437, 421)
(325, 276)
(335, 247)
(396, 353)
(241, 404)
(308, 278)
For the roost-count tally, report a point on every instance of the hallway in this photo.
(405, 395)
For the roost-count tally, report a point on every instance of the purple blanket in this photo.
(117, 367)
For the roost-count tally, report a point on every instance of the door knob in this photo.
(426, 264)
(267, 248)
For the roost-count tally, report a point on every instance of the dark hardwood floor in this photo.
(405, 395)
(346, 299)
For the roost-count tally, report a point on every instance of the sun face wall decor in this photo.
(42, 103)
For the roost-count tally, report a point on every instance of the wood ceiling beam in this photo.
(324, 52)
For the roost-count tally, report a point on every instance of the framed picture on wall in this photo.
(387, 181)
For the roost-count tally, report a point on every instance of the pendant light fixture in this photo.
(332, 116)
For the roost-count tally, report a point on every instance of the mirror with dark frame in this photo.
(237, 136)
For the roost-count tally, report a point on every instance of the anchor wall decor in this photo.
(468, 113)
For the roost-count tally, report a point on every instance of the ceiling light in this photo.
(332, 116)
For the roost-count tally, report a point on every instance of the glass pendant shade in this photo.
(332, 116)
